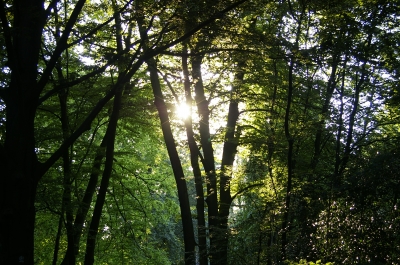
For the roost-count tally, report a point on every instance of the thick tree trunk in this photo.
(187, 223)
(194, 160)
(21, 171)
(208, 153)
(228, 158)
(18, 189)
(18, 179)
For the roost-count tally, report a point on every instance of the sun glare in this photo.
(182, 111)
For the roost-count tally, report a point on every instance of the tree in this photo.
(335, 107)
(288, 154)
(33, 55)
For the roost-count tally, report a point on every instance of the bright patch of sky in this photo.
(85, 59)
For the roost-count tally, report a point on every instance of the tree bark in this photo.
(187, 223)
(98, 208)
(285, 221)
(18, 180)
(194, 160)
(208, 154)
(109, 140)
(324, 112)
(228, 158)
(188, 231)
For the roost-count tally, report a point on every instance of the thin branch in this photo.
(51, 6)
(96, 29)
(61, 46)
(169, 86)
(134, 197)
(245, 189)
(201, 53)
(254, 110)
(85, 125)
(217, 15)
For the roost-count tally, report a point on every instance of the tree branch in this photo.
(52, 5)
(61, 46)
(217, 15)
(245, 189)
(85, 125)
(99, 26)
(201, 53)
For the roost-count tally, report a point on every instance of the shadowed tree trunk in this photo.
(98, 208)
(194, 160)
(188, 231)
(22, 27)
(289, 137)
(208, 155)
(187, 223)
(19, 176)
(228, 157)
(109, 155)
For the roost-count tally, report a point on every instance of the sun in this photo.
(182, 111)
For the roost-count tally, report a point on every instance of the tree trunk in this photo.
(324, 112)
(228, 158)
(289, 138)
(187, 223)
(109, 140)
(208, 154)
(81, 213)
(98, 208)
(285, 221)
(194, 160)
(18, 180)
(188, 231)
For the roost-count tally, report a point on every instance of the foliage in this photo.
(303, 261)
(287, 151)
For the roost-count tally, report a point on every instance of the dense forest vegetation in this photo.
(199, 132)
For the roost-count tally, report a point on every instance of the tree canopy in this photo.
(211, 132)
